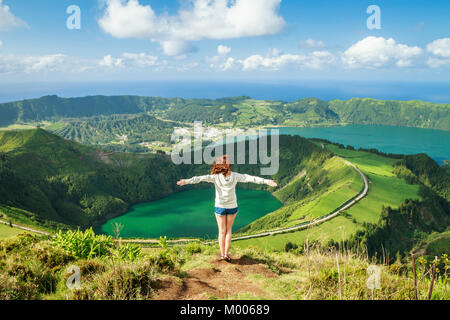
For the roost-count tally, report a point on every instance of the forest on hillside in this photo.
(238, 111)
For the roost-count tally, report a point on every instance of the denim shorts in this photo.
(225, 212)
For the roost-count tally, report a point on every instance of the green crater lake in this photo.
(189, 214)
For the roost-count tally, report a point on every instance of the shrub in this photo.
(121, 282)
(18, 243)
(289, 246)
(50, 256)
(27, 280)
(166, 260)
(130, 252)
(84, 244)
(193, 248)
(91, 267)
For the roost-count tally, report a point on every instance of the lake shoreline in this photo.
(190, 212)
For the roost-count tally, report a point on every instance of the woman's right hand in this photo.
(181, 183)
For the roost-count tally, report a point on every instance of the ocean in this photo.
(265, 90)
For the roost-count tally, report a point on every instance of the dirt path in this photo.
(221, 281)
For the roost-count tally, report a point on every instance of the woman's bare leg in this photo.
(222, 224)
(229, 232)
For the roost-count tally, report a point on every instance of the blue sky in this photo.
(224, 40)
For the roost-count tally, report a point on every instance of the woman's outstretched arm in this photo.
(195, 180)
(246, 178)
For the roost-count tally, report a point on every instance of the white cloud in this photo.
(108, 61)
(373, 52)
(16, 64)
(8, 20)
(224, 63)
(441, 53)
(138, 60)
(228, 64)
(274, 60)
(223, 50)
(30, 64)
(440, 47)
(438, 62)
(320, 59)
(311, 43)
(141, 60)
(53, 62)
(198, 20)
(257, 61)
(316, 60)
(1, 43)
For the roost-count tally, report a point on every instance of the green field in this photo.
(313, 193)
(385, 188)
(8, 232)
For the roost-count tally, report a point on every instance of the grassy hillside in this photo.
(239, 111)
(54, 107)
(8, 232)
(420, 168)
(65, 182)
(129, 131)
(396, 113)
(435, 244)
(315, 192)
(36, 268)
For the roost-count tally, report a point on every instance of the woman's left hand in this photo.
(272, 184)
(181, 183)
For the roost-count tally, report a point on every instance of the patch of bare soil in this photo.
(221, 281)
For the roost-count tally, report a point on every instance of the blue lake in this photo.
(400, 140)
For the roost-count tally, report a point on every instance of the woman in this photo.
(226, 207)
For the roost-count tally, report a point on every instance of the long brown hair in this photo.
(221, 166)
